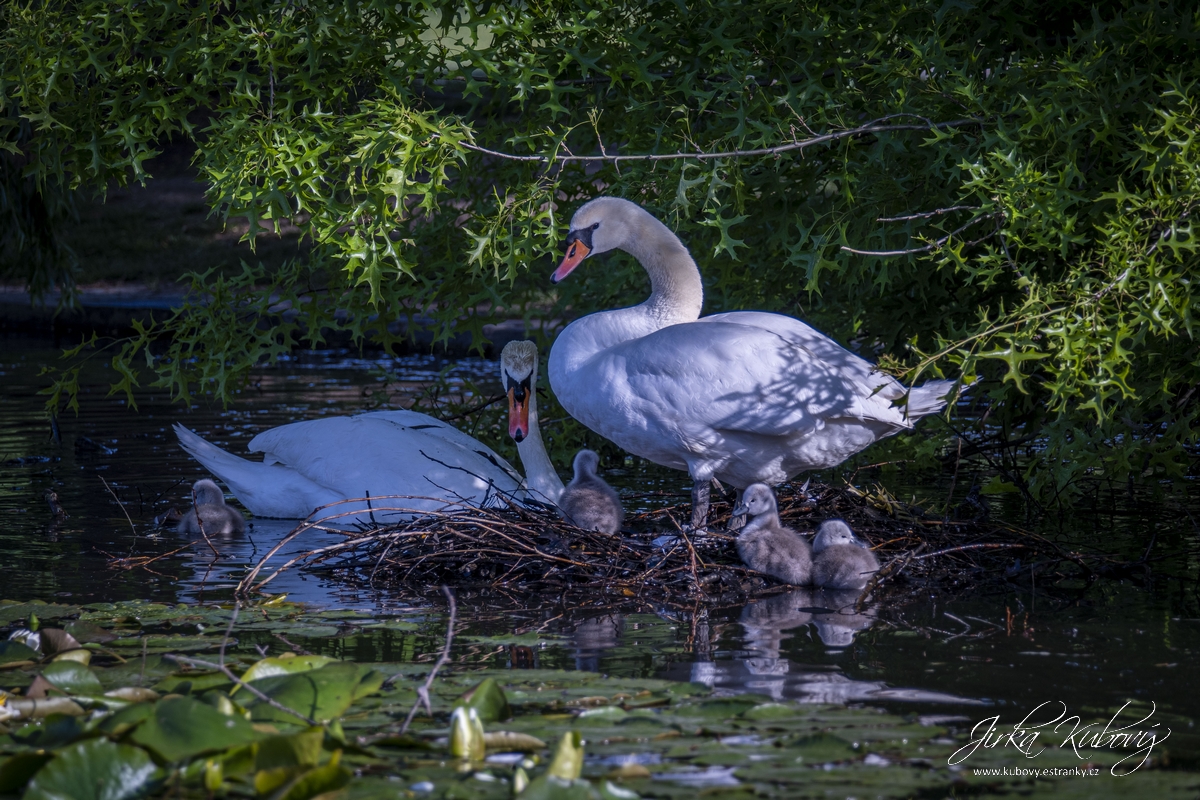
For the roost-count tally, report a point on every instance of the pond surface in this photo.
(1107, 643)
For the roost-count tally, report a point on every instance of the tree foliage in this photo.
(1018, 209)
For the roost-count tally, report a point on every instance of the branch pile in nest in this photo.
(532, 557)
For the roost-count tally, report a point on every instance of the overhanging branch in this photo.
(880, 125)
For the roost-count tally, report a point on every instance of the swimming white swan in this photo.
(588, 502)
(209, 514)
(744, 397)
(309, 464)
(840, 559)
(766, 545)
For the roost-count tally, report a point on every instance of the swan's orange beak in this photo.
(576, 253)
(518, 413)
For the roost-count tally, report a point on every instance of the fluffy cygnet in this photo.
(211, 512)
(588, 502)
(765, 545)
(840, 559)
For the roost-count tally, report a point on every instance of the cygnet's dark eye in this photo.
(596, 225)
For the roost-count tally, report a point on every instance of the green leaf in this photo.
(94, 770)
(567, 763)
(182, 728)
(268, 667)
(488, 700)
(321, 694)
(15, 771)
(72, 677)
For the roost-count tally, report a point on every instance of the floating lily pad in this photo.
(72, 677)
(96, 769)
(16, 652)
(181, 728)
(320, 694)
(268, 667)
(488, 700)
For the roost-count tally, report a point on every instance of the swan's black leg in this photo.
(700, 490)
(738, 522)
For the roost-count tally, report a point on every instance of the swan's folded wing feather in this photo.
(729, 376)
(380, 456)
(856, 370)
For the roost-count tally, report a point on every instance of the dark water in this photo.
(1093, 648)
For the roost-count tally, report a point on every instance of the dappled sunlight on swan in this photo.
(744, 397)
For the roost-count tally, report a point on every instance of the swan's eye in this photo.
(596, 225)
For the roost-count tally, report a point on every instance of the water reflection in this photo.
(803, 620)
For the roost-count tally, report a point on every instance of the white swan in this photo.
(744, 397)
(310, 464)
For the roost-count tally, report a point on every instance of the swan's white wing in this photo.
(728, 376)
(373, 454)
(427, 425)
(855, 371)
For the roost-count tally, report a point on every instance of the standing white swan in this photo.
(310, 464)
(744, 397)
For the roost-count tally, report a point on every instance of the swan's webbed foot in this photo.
(700, 492)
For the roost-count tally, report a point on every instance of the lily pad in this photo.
(268, 667)
(96, 769)
(14, 652)
(488, 700)
(320, 694)
(182, 727)
(72, 677)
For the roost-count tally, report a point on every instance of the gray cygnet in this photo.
(588, 502)
(840, 559)
(211, 512)
(765, 544)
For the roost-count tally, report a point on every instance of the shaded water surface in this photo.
(1092, 648)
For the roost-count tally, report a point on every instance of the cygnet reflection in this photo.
(594, 637)
(769, 623)
(837, 623)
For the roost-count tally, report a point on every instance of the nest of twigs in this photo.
(532, 557)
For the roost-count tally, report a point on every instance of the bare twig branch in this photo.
(935, 244)
(875, 126)
(423, 689)
(927, 214)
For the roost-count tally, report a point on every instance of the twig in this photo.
(935, 244)
(189, 661)
(237, 606)
(423, 689)
(200, 525)
(123, 511)
(875, 126)
(970, 547)
(927, 214)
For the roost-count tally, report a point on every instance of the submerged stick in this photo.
(423, 689)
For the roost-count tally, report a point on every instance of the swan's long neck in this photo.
(540, 477)
(676, 295)
(676, 292)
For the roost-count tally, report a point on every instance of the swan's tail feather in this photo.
(928, 398)
(214, 459)
(242, 476)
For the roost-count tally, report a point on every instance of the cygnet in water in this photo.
(765, 545)
(588, 502)
(211, 512)
(840, 559)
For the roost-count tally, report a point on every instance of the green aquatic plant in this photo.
(144, 723)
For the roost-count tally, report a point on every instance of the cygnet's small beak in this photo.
(576, 253)
(518, 413)
(741, 511)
